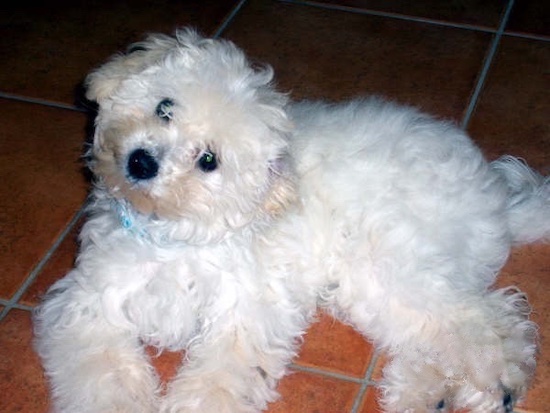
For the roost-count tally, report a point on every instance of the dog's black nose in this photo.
(142, 165)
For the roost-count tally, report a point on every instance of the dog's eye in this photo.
(207, 162)
(164, 109)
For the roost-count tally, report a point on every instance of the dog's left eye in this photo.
(164, 109)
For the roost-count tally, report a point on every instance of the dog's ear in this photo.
(102, 82)
(283, 192)
(271, 109)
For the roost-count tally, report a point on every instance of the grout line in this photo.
(13, 302)
(16, 306)
(326, 373)
(4, 302)
(366, 382)
(23, 307)
(372, 365)
(391, 15)
(39, 101)
(227, 21)
(528, 36)
(489, 58)
(417, 19)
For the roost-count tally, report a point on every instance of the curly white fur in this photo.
(390, 220)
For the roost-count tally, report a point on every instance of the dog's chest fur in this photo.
(171, 296)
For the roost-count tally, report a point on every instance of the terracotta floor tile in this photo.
(370, 401)
(311, 393)
(22, 385)
(330, 54)
(377, 372)
(512, 115)
(42, 185)
(530, 17)
(57, 266)
(48, 60)
(166, 363)
(331, 345)
(476, 12)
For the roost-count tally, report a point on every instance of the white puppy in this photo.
(223, 216)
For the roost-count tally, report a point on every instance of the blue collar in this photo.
(127, 219)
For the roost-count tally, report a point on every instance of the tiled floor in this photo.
(484, 64)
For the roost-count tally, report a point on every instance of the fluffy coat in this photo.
(223, 216)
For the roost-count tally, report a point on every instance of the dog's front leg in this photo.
(92, 366)
(235, 367)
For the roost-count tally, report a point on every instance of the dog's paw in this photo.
(495, 400)
(491, 401)
(200, 396)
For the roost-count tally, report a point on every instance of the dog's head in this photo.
(189, 132)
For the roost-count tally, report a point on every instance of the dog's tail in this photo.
(528, 205)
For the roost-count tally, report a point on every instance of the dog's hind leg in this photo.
(478, 355)
(499, 361)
